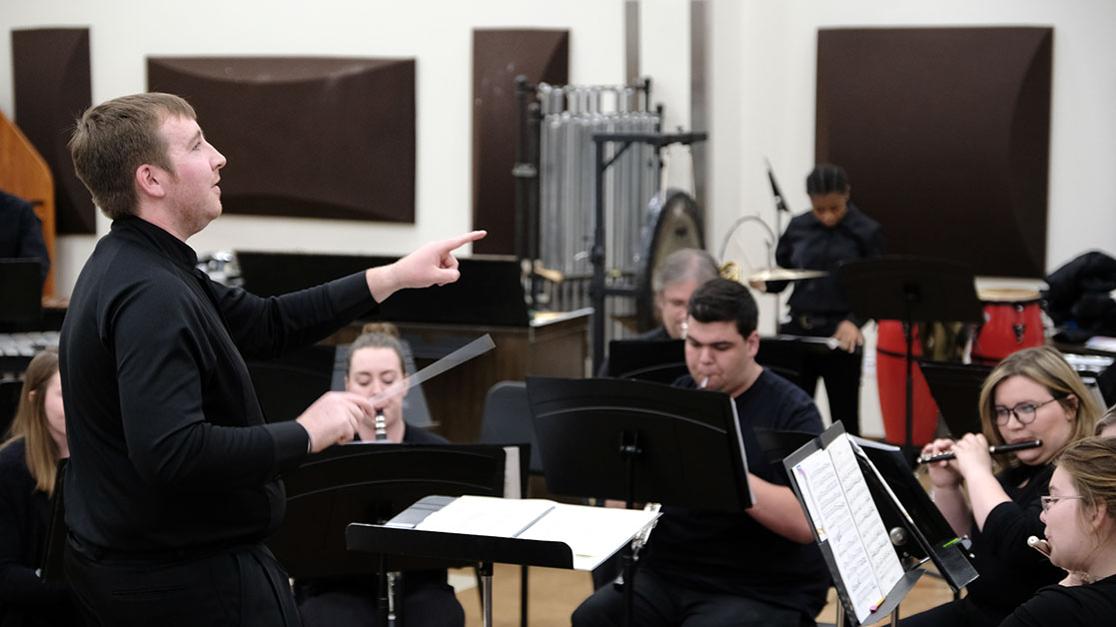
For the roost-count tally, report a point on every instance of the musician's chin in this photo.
(1032, 456)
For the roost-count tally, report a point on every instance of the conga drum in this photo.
(891, 382)
(1012, 322)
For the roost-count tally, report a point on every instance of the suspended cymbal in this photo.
(784, 274)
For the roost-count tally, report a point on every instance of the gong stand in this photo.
(599, 290)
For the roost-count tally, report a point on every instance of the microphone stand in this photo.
(780, 208)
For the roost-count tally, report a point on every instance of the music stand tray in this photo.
(647, 360)
(956, 389)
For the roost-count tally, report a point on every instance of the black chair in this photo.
(507, 420)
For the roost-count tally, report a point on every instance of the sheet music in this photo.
(841, 507)
(593, 533)
(487, 516)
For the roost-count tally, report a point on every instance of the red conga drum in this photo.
(891, 381)
(1012, 322)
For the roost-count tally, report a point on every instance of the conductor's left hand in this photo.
(430, 264)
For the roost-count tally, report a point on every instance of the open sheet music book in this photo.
(593, 533)
(847, 525)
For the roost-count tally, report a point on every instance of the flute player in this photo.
(1031, 394)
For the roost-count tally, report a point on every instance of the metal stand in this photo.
(598, 290)
(484, 569)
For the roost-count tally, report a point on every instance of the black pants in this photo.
(425, 606)
(838, 368)
(242, 586)
(658, 603)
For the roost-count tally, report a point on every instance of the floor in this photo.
(555, 593)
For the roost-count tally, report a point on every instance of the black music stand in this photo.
(639, 441)
(956, 389)
(647, 360)
(368, 482)
(911, 289)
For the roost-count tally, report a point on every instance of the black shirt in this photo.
(1075, 606)
(25, 599)
(808, 244)
(1010, 571)
(169, 448)
(21, 231)
(732, 553)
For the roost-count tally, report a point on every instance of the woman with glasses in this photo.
(1080, 517)
(1032, 394)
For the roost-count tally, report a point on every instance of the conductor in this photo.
(174, 477)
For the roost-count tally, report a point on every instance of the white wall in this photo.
(437, 33)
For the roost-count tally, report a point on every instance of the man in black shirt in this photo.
(760, 568)
(174, 476)
(833, 232)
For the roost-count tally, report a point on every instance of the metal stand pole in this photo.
(484, 569)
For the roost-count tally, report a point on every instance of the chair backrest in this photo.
(507, 419)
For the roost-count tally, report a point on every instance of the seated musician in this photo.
(833, 232)
(1031, 394)
(1080, 518)
(21, 232)
(28, 468)
(756, 568)
(376, 362)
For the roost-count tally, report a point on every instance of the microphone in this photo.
(999, 449)
(780, 204)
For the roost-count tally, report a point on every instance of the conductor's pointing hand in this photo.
(430, 264)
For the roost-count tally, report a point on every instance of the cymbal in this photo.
(784, 274)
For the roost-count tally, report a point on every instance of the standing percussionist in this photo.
(174, 477)
(833, 232)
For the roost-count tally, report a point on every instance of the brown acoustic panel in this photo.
(50, 72)
(945, 134)
(306, 137)
(498, 57)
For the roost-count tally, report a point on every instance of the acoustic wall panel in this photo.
(945, 134)
(52, 88)
(306, 137)
(498, 57)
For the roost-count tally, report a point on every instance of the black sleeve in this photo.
(1006, 531)
(1053, 605)
(31, 244)
(162, 357)
(267, 327)
(18, 582)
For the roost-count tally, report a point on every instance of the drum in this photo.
(1012, 322)
(891, 382)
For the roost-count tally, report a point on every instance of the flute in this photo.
(998, 449)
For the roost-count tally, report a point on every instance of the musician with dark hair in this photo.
(833, 232)
(375, 364)
(757, 568)
(21, 232)
(174, 478)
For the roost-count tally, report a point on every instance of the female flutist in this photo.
(1032, 394)
(1080, 517)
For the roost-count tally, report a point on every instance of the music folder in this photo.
(536, 532)
(826, 477)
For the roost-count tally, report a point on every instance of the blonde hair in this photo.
(377, 335)
(1046, 367)
(1091, 464)
(1107, 419)
(111, 140)
(30, 424)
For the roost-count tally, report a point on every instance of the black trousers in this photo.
(839, 369)
(658, 603)
(431, 605)
(238, 587)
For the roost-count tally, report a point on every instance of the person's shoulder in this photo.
(1069, 606)
(12, 458)
(858, 219)
(774, 383)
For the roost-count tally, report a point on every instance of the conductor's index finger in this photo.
(461, 240)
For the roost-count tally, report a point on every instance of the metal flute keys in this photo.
(999, 449)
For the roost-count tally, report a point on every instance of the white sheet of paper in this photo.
(487, 516)
(592, 533)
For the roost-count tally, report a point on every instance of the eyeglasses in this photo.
(1049, 501)
(1023, 412)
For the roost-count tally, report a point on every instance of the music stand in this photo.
(910, 289)
(956, 389)
(647, 360)
(21, 283)
(368, 482)
(639, 441)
